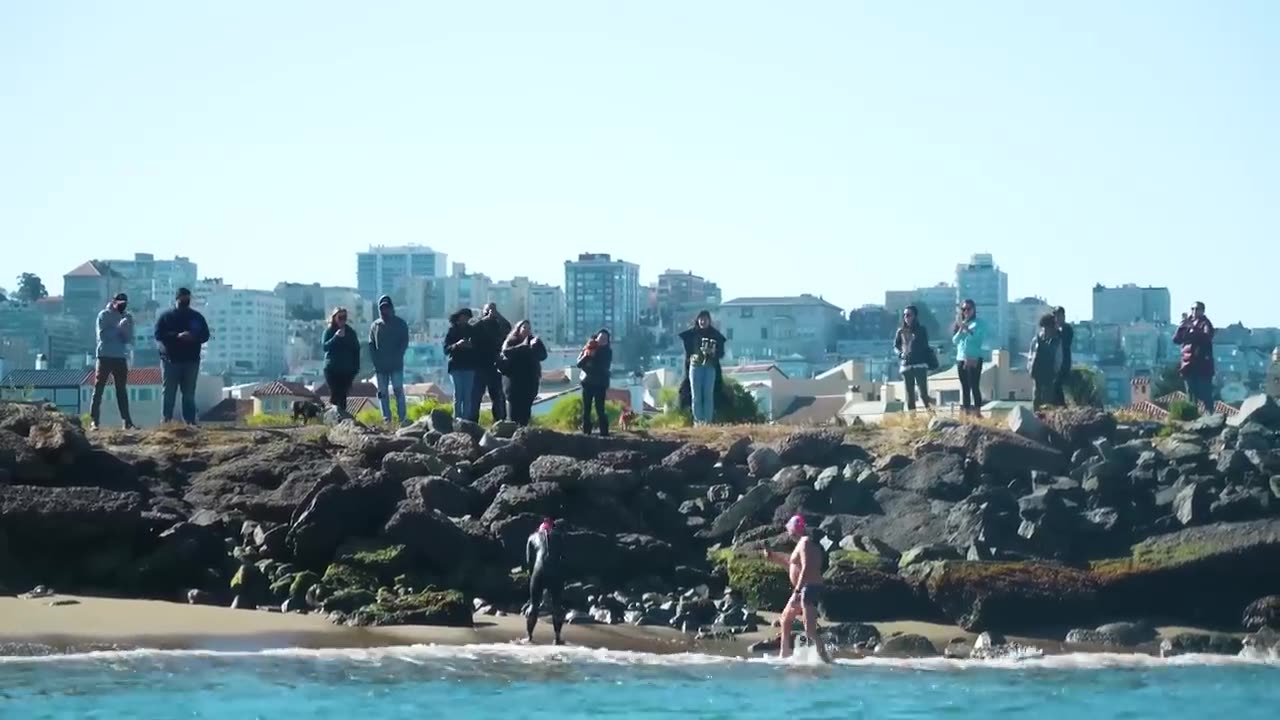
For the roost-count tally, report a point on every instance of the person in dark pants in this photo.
(1195, 335)
(460, 348)
(341, 359)
(115, 334)
(545, 562)
(181, 332)
(521, 367)
(969, 334)
(491, 331)
(1044, 363)
(703, 351)
(1066, 334)
(912, 345)
(595, 361)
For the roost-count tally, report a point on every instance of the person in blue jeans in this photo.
(460, 348)
(703, 350)
(388, 341)
(181, 333)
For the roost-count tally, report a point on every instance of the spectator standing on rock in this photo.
(115, 335)
(915, 357)
(1044, 363)
(703, 350)
(388, 341)
(491, 331)
(341, 359)
(545, 562)
(521, 365)
(460, 348)
(969, 333)
(181, 331)
(595, 361)
(1195, 335)
(1068, 335)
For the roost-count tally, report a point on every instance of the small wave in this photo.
(542, 654)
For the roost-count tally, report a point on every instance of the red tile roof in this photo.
(228, 410)
(282, 388)
(358, 390)
(137, 376)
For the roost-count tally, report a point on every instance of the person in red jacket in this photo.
(1195, 335)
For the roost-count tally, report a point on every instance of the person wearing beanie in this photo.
(388, 341)
(115, 335)
(181, 331)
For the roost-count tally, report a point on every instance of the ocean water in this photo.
(514, 682)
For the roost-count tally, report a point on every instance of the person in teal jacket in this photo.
(969, 336)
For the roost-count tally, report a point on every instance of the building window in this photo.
(764, 333)
(748, 312)
(729, 334)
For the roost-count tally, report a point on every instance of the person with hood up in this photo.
(460, 348)
(521, 367)
(916, 357)
(703, 350)
(341, 359)
(595, 361)
(181, 331)
(115, 335)
(1044, 363)
(388, 341)
(1195, 335)
(492, 331)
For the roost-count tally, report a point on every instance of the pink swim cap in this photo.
(796, 524)
(546, 525)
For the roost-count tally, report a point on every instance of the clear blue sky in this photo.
(840, 148)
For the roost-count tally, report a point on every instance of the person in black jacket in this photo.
(492, 331)
(181, 332)
(521, 366)
(341, 359)
(595, 361)
(460, 347)
(703, 350)
(1065, 334)
(915, 356)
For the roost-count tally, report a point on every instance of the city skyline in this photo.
(843, 149)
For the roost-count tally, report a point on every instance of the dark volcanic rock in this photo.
(858, 594)
(23, 465)
(1262, 409)
(542, 499)
(907, 646)
(1200, 644)
(448, 497)
(810, 447)
(1023, 421)
(514, 455)
(488, 486)
(587, 475)
(459, 445)
(1012, 597)
(1077, 428)
(340, 507)
(764, 462)
(370, 445)
(694, 460)
(935, 475)
(755, 502)
(71, 516)
(1262, 613)
(1200, 577)
(402, 466)
(266, 483)
(996, 451)
(1191, 505)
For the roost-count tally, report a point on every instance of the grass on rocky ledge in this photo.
(1147, 557)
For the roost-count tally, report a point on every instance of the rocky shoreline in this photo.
(1096, 530)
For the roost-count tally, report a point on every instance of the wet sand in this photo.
(93, 622)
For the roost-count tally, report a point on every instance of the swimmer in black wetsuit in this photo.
(546, 567)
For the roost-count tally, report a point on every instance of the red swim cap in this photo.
(546, 525)
(796, 524)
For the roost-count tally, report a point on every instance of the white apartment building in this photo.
(248, 332)
(382, 270)
(546, 311)
(983, 282)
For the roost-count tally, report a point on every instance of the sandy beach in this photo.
(96, 621)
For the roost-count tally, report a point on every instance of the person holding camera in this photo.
(703, 350)
(115, 335)
(595, 361)
(341, 359)
(1195, 335)
(915, 357)
(521, 366)
(969, 333)
(460, 348)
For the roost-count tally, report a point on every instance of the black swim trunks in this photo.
(810, 594)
